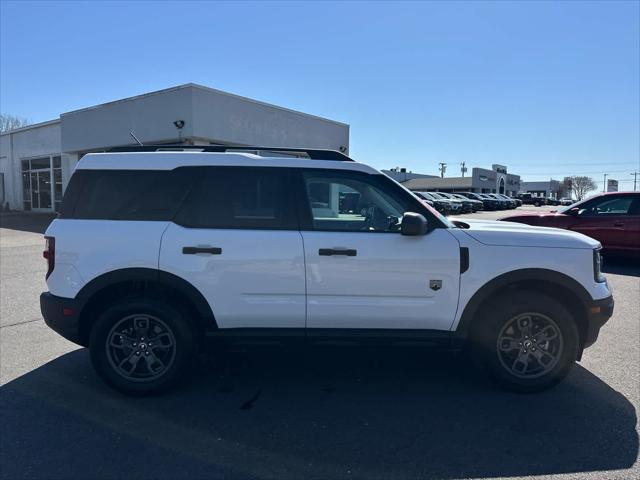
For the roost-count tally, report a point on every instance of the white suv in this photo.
(156, 251)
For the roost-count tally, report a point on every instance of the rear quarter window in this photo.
(125, 194)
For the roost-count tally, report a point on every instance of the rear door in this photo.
(236, 239)
(361, 272)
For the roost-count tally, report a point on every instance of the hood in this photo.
(520, 235)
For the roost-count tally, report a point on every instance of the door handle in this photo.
(194, 250)
(618, 224)
(327, 252)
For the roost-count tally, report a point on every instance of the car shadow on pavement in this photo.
(621, 266)
(26, 222)
(326, 413)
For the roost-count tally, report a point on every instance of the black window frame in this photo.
(380, 181)
(290, 192)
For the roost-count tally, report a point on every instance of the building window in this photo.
(42, 183)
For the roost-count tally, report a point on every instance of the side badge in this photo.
(435, 285)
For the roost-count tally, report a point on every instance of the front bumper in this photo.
(600, 311)
(62, 315)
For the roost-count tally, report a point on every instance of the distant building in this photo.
(36, 161)
(401, 175)
(548, 188)
(481, 180)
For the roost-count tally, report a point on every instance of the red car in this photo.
(611, 218)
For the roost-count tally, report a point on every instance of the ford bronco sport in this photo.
(156, 250)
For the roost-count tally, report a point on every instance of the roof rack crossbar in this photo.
(312, 153)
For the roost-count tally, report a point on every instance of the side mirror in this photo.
(574, 212)
(413, 224)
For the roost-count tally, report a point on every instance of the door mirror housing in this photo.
(413, 224)
(574, 212)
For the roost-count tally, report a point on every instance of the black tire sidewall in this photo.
(172, 316)
(493, 318)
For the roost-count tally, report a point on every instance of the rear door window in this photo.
(240, 197)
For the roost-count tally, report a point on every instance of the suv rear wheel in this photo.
(528, 343)
(142, 345)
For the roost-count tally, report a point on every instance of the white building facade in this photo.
(36, 162)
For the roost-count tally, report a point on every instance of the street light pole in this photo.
(604, 185)
(635, 177)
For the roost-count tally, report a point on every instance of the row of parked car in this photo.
(530, 199)
(467, 202)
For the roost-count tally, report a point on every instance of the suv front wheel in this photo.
(527, 342)
(142, 345)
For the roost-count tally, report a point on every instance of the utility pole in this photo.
(443, 168)
(635, 178)
(604, 185)
(463, 169)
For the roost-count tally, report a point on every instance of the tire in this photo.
(521, 362)
(152, 338)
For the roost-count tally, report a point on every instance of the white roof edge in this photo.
(202, 87)
(171, 160)
(33, 125)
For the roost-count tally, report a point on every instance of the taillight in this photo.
(50, 254)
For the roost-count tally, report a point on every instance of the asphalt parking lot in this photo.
(307, 414)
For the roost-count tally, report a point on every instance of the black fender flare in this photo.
(548, 278)
(156, 277)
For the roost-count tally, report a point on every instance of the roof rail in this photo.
(312, 153)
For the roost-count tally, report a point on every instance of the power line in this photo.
(564, 164)
(560, 172)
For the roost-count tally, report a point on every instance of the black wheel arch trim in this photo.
(159, 277)
(511, 278)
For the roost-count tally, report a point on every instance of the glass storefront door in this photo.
(41, 190)
(40, 193)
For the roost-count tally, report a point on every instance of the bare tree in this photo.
(9, 122)
(582, 185)
(565, 189)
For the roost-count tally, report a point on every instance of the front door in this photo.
(236, 239)
(361, 272)
(609, 220)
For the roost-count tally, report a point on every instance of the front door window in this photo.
(351, 205)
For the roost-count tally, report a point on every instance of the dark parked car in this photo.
(517, 200)
(503, 203)
(455, 206)
(475, 204)
(512, 202)
(553, 201)
(611, 218)
(529, 199)
(439, 204)
(487, 202)
(467, 205)
(424, 199)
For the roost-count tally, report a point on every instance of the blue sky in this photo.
(546, 88)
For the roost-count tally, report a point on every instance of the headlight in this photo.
(597, 266)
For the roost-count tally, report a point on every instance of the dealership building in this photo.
(481, 180)
(36, 161)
